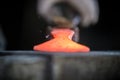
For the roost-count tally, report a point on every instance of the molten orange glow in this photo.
(62, 42)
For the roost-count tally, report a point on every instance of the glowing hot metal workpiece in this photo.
(62, 42)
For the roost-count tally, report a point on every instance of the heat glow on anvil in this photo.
(62, 42)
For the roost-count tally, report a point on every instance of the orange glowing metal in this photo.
(62, 42)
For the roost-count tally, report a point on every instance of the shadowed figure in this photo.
(2, 40)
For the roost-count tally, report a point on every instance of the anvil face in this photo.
(32, 65)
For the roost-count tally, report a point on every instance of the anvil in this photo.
(34, 65)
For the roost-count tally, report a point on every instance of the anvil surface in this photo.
(35, 65)
(92, 53)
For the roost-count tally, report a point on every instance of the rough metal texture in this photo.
(30, 65)
(87, 68)
(22, 68)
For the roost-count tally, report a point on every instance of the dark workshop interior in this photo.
(23, 28)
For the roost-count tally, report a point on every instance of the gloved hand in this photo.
(87, 9)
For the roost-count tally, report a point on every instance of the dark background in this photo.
(24, 29)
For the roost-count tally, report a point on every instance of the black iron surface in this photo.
(35, 65)
(92, 53)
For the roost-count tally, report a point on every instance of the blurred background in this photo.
(22, 28)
